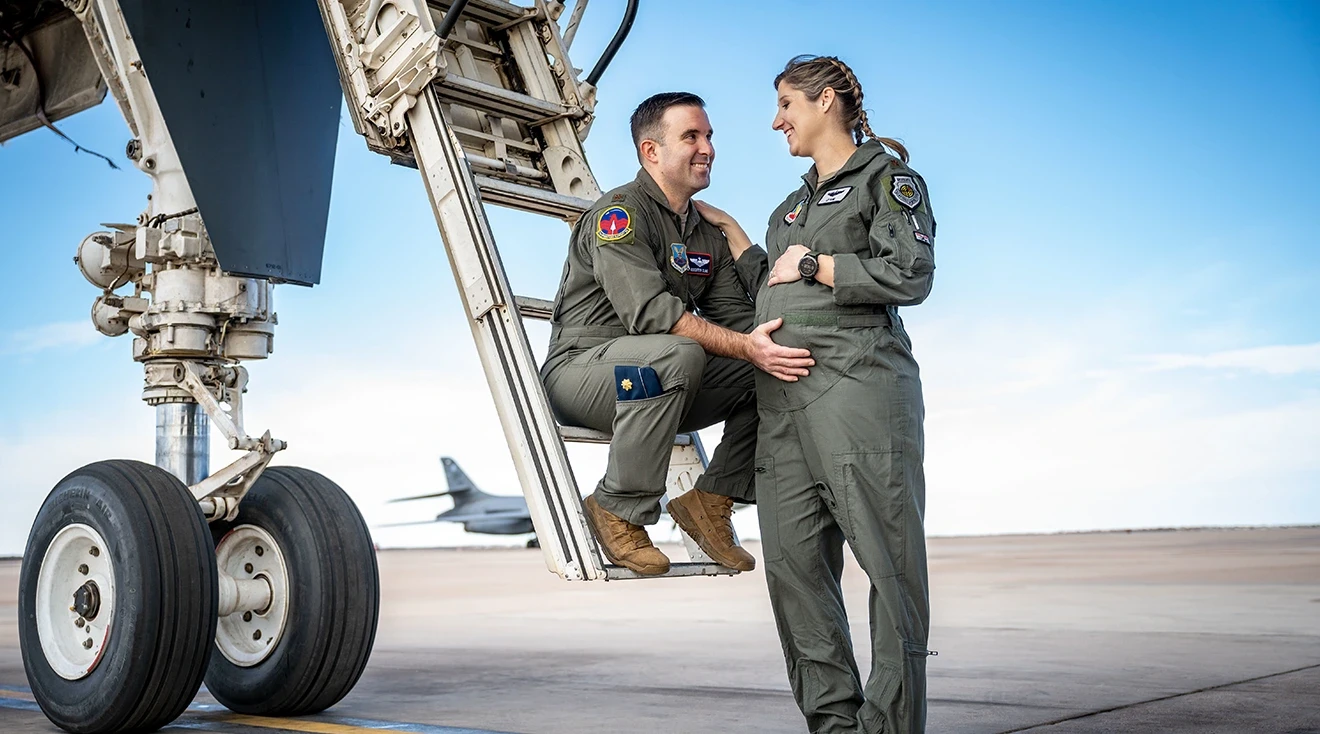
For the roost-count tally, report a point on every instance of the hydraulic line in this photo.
(628, 16)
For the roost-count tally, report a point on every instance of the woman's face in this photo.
(801, 120)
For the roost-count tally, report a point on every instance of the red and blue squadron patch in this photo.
(614, 225)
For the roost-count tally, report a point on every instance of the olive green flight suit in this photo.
(839, 456)
(634, 266)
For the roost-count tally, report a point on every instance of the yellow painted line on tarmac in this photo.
(312, 727)
(197, 719)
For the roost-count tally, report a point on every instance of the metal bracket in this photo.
(405, 58)
(220, 493)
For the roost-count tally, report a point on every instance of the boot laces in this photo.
(720, 511)
(637, 537)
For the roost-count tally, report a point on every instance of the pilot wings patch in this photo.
(699, 263)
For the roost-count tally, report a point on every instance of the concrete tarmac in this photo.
(1177, 631)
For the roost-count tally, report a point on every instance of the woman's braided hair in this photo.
(812, 74)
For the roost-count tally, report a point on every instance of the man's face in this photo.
(685, 152)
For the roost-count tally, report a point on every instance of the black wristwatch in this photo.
(808, 266)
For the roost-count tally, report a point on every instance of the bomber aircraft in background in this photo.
(477, 511)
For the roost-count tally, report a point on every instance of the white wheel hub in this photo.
(75, 601)
(248, 553)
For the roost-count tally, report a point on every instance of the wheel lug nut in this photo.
(82, 568)
(260, 551)
(247, 616)
(87, 643)
(247, 567)
(95, 551)
(79, 622)
(256, 635)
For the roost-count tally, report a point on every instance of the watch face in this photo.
(808, 266)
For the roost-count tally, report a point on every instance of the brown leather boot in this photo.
(706, 518)
(624, 543)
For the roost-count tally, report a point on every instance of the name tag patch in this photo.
(699, 263)
(834, 196)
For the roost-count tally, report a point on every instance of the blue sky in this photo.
(1123, 331)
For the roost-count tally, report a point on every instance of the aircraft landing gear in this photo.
(117, 602)
(123, 607)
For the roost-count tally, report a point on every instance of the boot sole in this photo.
(685, 522)
(634, 567)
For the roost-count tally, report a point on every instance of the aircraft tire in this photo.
(321, 622)
(126, 545)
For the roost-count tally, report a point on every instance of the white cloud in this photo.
(62, 334)
(1273, 360)
(1035, 434)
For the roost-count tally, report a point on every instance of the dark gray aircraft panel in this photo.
(251, 95)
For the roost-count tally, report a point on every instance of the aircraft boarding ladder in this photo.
(480, 97)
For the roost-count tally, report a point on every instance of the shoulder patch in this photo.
(834, 196)
(792, 215)
(906, 192)
(614, 225)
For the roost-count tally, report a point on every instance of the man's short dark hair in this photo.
(649, 116)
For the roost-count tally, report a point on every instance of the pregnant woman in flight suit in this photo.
(839, 453)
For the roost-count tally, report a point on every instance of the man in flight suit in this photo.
(652, 336)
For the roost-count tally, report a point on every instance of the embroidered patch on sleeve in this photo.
(792, 216)
(922, 236)
(614, 225)
(834, 196)
(636, 383)
(699, 263)
(906, 192)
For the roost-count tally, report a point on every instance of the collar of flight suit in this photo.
(865, 153)
(653, 190)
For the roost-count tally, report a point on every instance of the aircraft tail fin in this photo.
(462, 488)
(459, 486)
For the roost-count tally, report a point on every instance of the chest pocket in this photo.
(840, 228)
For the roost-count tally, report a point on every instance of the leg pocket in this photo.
(767, 508)
(876, 502)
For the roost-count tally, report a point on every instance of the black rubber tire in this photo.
(166, 599)
(333, 605)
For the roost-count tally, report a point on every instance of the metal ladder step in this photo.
(497, 101)
(530, 198)
(491, 12)
(577, 434)
(676, 570)
(535, 308)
